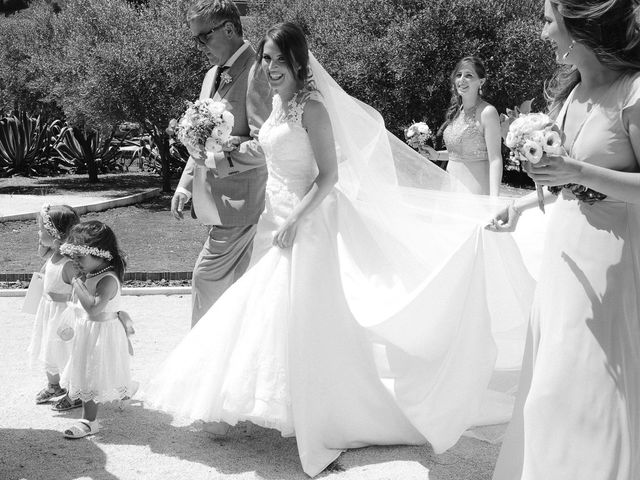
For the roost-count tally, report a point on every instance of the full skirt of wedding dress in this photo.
(343, 345)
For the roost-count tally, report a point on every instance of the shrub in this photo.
(27, 144)
(109, 61)
(397, 55)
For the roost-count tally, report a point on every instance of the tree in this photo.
(112, 62)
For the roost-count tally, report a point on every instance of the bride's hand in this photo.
(286, 234)
(505, 220)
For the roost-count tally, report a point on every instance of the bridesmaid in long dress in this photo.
(578, 412)
(471, 132)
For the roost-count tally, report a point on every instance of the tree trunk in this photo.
(162, 141)
(84, 139)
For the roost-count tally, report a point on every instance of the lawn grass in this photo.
(151, 238)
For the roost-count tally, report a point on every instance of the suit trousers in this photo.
(224, 258)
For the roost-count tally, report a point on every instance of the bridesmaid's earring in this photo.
(573, 44)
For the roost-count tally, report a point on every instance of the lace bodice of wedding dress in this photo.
(288, 153)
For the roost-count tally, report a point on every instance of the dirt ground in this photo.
(137, 443)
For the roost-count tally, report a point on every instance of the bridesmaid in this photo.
(578, 409)
(471, 132)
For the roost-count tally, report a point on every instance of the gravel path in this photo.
(137, 443)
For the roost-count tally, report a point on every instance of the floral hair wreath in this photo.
(71, 249)
(47, 223)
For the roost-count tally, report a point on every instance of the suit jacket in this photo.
(235, 196)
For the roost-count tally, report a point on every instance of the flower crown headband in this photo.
(47, 223)
(71, 249)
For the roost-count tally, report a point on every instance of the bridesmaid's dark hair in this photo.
(291, 41)
(456, 101)
(609, 28)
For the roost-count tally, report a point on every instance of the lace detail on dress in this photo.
(295, 106)
(463, 138)
(288, 153)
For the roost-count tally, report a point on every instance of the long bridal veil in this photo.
(444, 300)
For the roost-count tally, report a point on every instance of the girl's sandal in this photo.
(49, 393)
(82, 428)
(65, 403)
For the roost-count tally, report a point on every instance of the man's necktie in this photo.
(216, 84)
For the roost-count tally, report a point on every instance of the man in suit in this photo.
(230, 197)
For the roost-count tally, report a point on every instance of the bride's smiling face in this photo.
(276, 67)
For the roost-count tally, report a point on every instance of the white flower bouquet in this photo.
(529, 136)
(417, 135)
(205, 125)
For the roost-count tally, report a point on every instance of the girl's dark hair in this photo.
(456, 101)
(291, 41)
(63, 218)
(97, 234)
(609, 28)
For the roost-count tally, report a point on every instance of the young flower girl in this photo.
(98, 370)
(46, 347)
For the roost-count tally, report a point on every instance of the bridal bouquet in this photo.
(529, 136)
(418, 135)
(206, 124)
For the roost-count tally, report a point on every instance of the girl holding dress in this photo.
(46, 347)
(578, 408)
(98, 369)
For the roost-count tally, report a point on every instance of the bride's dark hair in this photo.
(291, 41)
(609, 28)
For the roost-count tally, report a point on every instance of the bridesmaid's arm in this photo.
(493, 138)
(506, 219)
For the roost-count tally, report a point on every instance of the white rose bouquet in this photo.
(417, 135)
(205, 125)
(529, 136)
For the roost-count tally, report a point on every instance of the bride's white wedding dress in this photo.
(353, 336)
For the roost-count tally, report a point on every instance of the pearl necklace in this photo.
(95, 274)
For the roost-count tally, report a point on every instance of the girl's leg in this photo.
(87, 425)
(89, 410)
(53, 378)
(52, 390)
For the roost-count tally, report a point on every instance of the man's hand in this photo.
(177, 205)
(199, 156)
(231, 144)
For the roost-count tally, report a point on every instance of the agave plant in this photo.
(26, 145)
(87, 151)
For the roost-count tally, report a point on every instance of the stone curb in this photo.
(93, 207)
(132, 291)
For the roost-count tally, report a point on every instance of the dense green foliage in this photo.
(99, 63)
(397, 55)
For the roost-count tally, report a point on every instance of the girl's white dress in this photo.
(46, 347)
(98, 368)
(578, 410)
(326, 341)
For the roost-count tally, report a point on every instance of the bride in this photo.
(365, 319)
